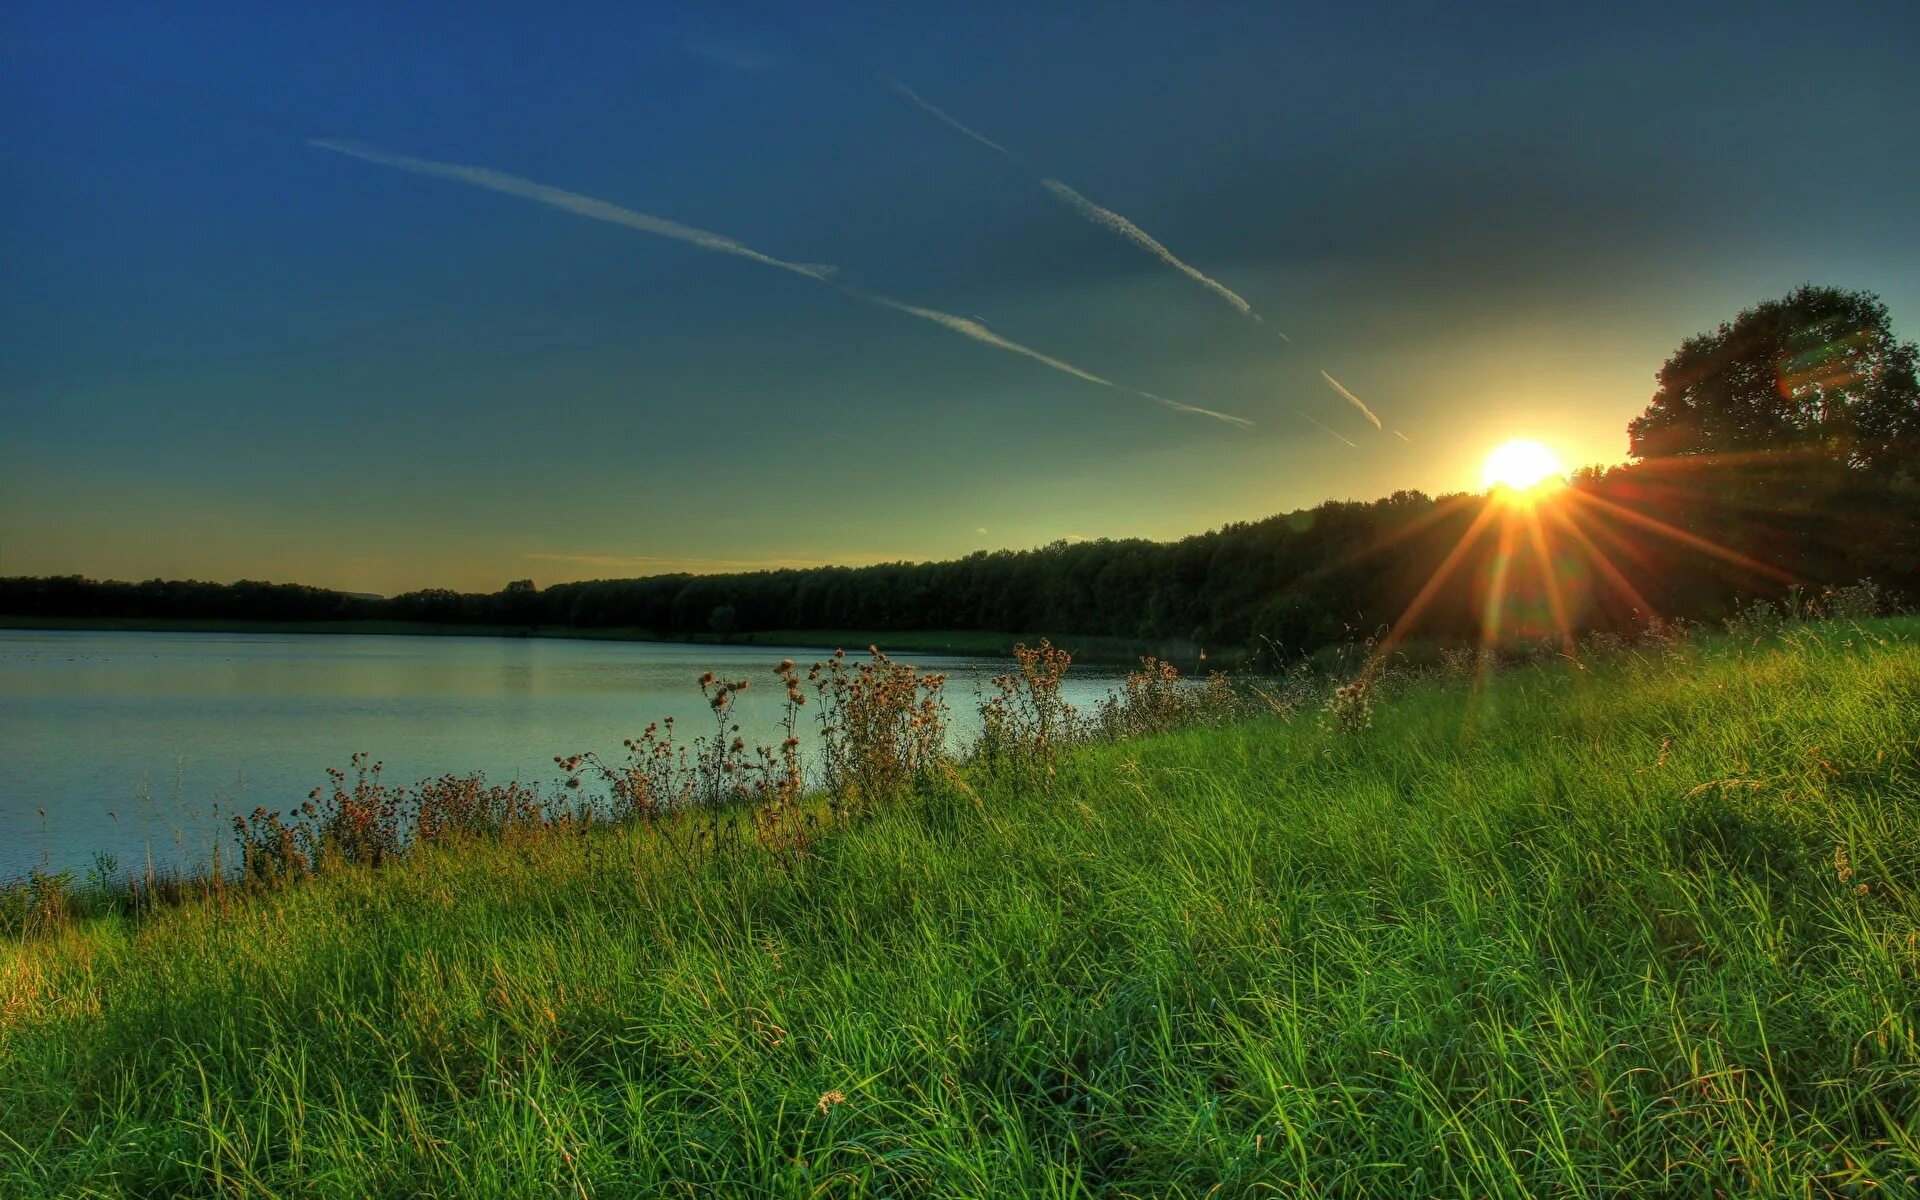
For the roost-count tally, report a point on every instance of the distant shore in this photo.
(973, 643)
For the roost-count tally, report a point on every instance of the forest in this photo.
(1780, 451)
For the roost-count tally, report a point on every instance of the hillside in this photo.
(1644, 924)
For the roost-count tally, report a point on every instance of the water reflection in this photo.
(90, 723)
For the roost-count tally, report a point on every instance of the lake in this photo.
(138, 744)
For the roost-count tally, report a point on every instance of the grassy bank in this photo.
(924, 641)
(1646, 927)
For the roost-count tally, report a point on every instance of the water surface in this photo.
(134, 744)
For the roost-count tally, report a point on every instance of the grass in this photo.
(1646, 928)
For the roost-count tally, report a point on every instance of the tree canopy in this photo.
(1782, 449)
(1817, 372)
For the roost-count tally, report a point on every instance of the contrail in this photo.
(1352, 399)
(1087, 209)
(1195, 409)
(601, 210)
(1146, 241)
(573, 202)
(1403, 437)
(970, 328)
(967, 327)
(1309, 420)
(942, 116)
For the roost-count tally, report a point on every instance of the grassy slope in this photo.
(1576, 933)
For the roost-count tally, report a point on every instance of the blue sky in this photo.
(229, 352)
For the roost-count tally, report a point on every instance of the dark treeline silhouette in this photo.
(1666, 538)
(1781, 450)
(182, 599)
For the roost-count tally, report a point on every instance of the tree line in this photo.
(1782, 449)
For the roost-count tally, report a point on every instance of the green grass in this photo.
(1648, 929)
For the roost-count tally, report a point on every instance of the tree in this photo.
(1291, 622)
(1817, 371)
(518, 603)
(723, 620)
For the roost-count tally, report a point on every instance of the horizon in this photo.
(998, 600)
(726, 569)
(382, 301)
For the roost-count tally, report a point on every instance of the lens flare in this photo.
(1522, 466)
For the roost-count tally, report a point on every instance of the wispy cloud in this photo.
(1103, 217)
(969, 328)
(941, 115)
(1351, 399)
(740, 57)
(573, 202)
(1403, 437)
(1193, 409)
(1146, 241)
(1317, 425)
(601, 210)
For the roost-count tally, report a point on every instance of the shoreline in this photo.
(970, 643)
(525, 989)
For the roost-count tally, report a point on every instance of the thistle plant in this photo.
(1027, 721)
(881, 723)
(1350, 707)
(779, 778)
(1152, 698)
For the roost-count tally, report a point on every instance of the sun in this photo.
(1522, 466)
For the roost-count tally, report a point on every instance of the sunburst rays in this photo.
(1544, 564)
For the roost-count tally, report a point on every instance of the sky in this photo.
(382, 297)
